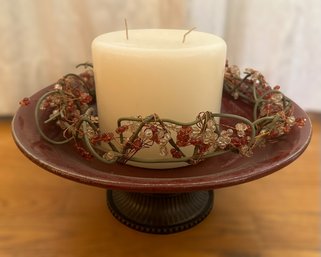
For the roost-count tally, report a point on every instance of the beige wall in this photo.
(42, 40)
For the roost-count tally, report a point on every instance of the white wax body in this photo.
(153, 71)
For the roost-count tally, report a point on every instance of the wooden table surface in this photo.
(45, 215)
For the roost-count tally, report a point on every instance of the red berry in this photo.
(121, 129)
(25, 101)
(176, 154)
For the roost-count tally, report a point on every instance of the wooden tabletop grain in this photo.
(48, 216)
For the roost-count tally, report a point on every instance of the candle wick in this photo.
(126, 27)
(184, 37)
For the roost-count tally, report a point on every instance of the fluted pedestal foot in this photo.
(160, 213)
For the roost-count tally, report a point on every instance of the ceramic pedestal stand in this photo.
(160, 213)
(160, 201)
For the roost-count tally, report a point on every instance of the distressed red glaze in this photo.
(221, 171)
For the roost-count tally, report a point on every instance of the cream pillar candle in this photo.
(154, 71)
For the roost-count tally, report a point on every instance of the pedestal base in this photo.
(160, 213)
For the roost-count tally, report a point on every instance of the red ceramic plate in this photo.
(221, 171)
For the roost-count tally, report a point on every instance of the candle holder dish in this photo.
(168, 200)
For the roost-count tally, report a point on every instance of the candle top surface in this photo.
(162, 39)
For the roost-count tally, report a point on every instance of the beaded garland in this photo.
(70, 108)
